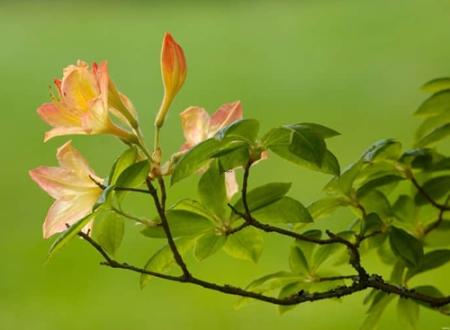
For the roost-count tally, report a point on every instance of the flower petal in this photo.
(70, 158)
(231, 185)
(67, 212)
(79, 86)
(195, 122)
(57, 115)
(60, 131)
(225, 115)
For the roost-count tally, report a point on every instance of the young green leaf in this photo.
(308, 146)
(297, 261)
(383, 149)
(436, 104)
(377, 202)
(435, 135)
(212, 192)
(109, 230)
(404, 209)
(326, 206)
(408, 312)
(343, 184)
(134, 175)
(284, 210)
(163, 259)
(380, 302)
(69, 234)
(126, 159)
(406, 247)
(436, 85)
(194, 159)
(439, 236)
(244, 129)
(246, 244)
(262, 196)
(430, 260)
(319, 130)
(208, 244)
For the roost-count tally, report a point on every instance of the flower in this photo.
(173, 71)
(198, 126)
(83, 104)
(71, 185)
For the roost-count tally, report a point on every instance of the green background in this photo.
(352, 65)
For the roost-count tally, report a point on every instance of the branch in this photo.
(430, 199)
(359, 284)
(160, 207)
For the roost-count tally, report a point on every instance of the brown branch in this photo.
(430, 199)
(160, 207)
(359, 284)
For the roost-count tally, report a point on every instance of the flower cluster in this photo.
(87, 102)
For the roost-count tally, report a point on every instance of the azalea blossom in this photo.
(71, 185)
(198, 126)
(173, 71)
(85, 100)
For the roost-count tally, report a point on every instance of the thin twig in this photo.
(160, 207)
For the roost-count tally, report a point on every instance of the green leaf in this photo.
(235, 158)
(284, 210)
(326, 206)
(308, 248)
(268, 283)
(262, 196)
(377, 202)
(135, 175)
(371, 223)
(430, 260)
(246, 244)
(344, 182)
(126, 159)
(68, 234)
(193, 206)
(436, 188)
(319, 130)
(408, 312)
(212, 191)
(244, 129)
(436, 85)
(380, 302)
(280, 141)
(208, 244)
(306, 145)
(406, 247)
(109, 230)
(430, 124)
(194, 159)
(163, 259)
(436, 104)
(383, 149)
(380, 182)
(322, 253)
(181, 223)
(297, 261)
(404, 209)
(289, 290)
(440, 235)
(435, 135)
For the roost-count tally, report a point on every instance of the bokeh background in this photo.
(350, 64)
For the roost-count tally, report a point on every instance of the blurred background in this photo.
(353, 65)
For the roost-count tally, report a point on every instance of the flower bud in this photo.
(173, 71)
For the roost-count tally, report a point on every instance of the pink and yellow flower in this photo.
(85, 100)
(198, 126)
(72, 187)
(173, 71)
